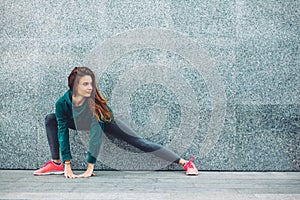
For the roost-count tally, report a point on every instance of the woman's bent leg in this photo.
(53, 166)
(51, 131)
(52, 136)
(119, 130)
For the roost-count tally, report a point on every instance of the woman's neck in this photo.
(78, 100)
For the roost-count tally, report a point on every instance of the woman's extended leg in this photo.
(119, 130)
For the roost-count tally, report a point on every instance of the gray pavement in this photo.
(167, 185)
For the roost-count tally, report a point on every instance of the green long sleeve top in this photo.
(83, 117)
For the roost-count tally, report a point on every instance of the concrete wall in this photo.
(215, 79)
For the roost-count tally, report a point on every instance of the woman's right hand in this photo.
(68, 171)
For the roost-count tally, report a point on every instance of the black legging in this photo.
(116, 129)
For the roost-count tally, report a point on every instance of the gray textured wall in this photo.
(215, 79)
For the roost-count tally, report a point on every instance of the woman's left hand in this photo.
(89, 171)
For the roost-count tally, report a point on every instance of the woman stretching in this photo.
(83, 107)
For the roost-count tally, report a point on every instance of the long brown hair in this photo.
(97, 102)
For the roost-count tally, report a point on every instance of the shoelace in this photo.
(189, 163)
(47, 164)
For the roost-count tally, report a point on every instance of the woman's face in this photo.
(85, 87)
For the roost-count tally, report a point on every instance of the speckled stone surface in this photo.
(215, 79)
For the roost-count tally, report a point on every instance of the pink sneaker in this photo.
(50, 168)
(190, 167)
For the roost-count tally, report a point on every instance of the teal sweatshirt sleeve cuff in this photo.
(91, 159)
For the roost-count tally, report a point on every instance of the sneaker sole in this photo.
(192, 174)
(48, 173)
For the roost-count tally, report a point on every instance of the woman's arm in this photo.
(95, 141)
(63, 130)
(89, 171)
(63, 137)
(68, 170)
